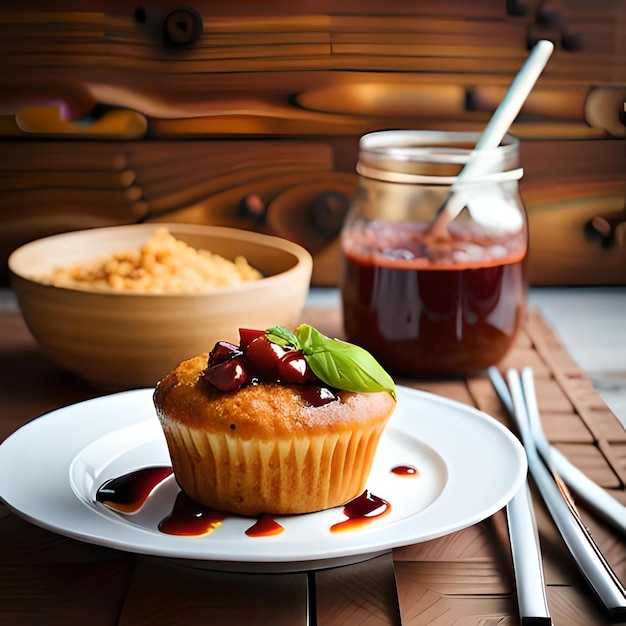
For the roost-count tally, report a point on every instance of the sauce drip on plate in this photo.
(362, 511)
(405, 470)
(190, 519)
(128, 493)
(265, 526)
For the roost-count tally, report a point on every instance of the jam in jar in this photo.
(423, 298)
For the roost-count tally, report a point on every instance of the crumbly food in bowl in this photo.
(163, 265)
(129, 339)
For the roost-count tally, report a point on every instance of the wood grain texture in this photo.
(323, 73)
(14, 181)
(364, 593)
(163, 593)
(112, 124)
(205, 182)
(48, 579)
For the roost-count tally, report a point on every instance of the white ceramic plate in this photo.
(469, 467)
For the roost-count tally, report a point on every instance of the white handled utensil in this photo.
(602, 502)
(494, 132)
(527, 564)
(588, 557)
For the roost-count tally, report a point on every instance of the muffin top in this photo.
(264, 411)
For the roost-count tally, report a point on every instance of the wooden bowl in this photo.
(124, 340)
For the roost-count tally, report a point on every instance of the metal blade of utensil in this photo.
(607, 507)
(588, 557)
(527, 565)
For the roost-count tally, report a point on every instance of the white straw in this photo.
(499, 124)
(516, 95)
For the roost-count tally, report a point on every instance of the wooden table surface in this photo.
(463, 578)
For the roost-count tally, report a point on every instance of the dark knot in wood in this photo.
(182, 27)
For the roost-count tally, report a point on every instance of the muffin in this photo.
(283, 423)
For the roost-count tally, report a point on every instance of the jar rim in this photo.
(406, 156)
(439, 146)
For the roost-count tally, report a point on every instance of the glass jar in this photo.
(425, 294)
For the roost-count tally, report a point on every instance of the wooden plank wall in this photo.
(242, 114)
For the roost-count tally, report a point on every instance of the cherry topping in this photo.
(293, 368)
(247, 335)
(228, 375)
(262, 357)
(223, 351)
(257, 360)
(316, 395)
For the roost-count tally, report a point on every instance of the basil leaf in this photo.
(282, 337)
(343, 365)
